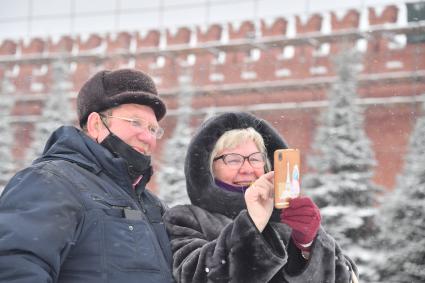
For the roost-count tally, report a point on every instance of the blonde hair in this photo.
(233, 138)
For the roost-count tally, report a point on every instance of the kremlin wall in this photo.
(279, 70)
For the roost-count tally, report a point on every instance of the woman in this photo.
(230, 232)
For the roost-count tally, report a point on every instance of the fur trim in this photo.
(201, 188)
(213, 248)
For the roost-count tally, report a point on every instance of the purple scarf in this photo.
(231, 188)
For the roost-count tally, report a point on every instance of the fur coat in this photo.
(214, 240)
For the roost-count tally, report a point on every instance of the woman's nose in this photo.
(246, 166)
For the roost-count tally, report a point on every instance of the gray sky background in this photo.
(22, 19)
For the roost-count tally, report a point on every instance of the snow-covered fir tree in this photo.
(403, 216)
(6, 161)
(342, 162)
(171, 179)
(57, 110)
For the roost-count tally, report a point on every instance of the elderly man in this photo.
(81, 212)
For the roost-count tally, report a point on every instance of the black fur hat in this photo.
(107, 89)
(201, 188)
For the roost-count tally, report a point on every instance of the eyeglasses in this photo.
(141, 124)
(235, 161)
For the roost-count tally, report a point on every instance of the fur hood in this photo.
(202, 190)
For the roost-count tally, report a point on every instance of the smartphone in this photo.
(286, 176)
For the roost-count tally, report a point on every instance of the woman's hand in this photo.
(259, 200)
(303, 216)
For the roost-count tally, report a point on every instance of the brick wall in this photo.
(255, 66)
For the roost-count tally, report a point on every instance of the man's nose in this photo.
(147, 138)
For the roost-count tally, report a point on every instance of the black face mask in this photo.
(137, 163)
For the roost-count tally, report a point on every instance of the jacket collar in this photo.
(71, 144)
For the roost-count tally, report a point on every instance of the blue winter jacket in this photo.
(73, 216)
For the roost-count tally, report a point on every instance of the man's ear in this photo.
(94, 125)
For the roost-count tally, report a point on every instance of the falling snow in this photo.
(402, 238)
(343, 163)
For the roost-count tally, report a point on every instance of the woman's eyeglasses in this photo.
(235, 161)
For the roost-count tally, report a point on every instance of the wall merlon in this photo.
(277, 28)
(246, 29)
(118, 42)
(34, 46)
(64, 45)
(212, 33)
(349, 20)
(148, 40)
(312, 24)
(8, 47)
(92, 42)
(181, 36)
(388, 15)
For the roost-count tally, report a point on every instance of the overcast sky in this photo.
(30, 18)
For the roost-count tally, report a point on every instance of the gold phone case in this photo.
(286, 176)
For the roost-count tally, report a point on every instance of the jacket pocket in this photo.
(129, 244)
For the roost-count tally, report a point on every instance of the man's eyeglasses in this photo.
(140, 124)
(235, 161)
